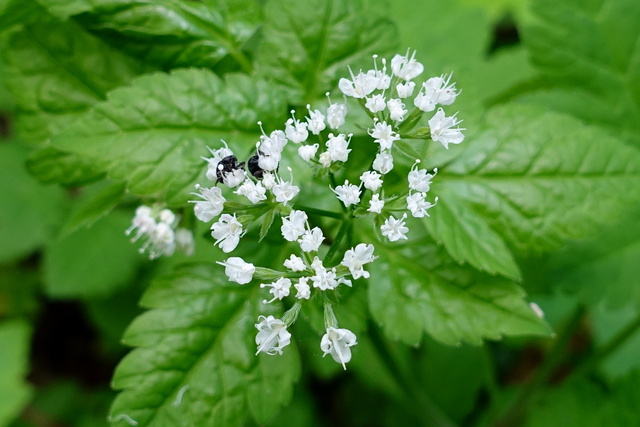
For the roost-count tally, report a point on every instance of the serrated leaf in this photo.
(195, 361)
(539, 177)
(29, 211)
(170, 33)
(51, 165)
(309, 44)
(94, 207)
(590, 48)
(92, 262)
(153, 133)
(56, 71)
(469, 238)
(267, 220)
(417, 288)
(14, 358)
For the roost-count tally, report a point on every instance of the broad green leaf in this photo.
(93, 262)
(417, 288)
(195, 361)
(309, 44)
(51, 165)
(29, 211)
(153, 133)
(590, 49)
(14, 359)
(56, 71)
(469, 238)
(94, 207)
(15, 12)
(539, 177)
(170, 33)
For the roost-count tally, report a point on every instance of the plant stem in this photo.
(421, 404)
(321, 212)
(328, 259)
(516, 411)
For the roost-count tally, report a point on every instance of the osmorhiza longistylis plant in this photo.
(395, 103)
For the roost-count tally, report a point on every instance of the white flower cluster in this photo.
(159, 229)
(312, 271)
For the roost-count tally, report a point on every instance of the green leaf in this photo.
(417, 288)
(589, 51)
(607, 325)
(51, 165)
(267, 220)
(153, 133)
(170, 33)
(197, 343)
(92, 262)
(469, 238)
(14, 359)
(309, 44)
(94, 207)
(14, 12)
(538, 177)
(56, 71)
(29, 211)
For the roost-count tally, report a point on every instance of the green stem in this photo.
(591, 362)
(516, 410)
(418, 402)
(321, 212)
(328, 259)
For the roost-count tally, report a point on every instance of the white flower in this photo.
(418, 205)
(303, 288)
(336, 114)
(383, 162)
(255, 192)
(295, 263)
(354, 259)
(308, 152)
(279, 289)
(285, 191)
(161, 241)
(376, 103)
(167, 217)
(394, 229)
(216, 156)
(337, 148)
(371, 180)
(268, 162)
(435, 91)
(293, 226)
(348, 194)
(325, 159)
(396, 110)
(143, 222)
(384, 135)
(323, 279)
(375, 204)
(234, 177)
(237, 270)
(268, 180)
(272, 335)
(211, 205)
(337, 342)
(311, 240)
(406, 68)
(443, 131)
(296, 130)
(420, 179)
(383, 81)
(315, 121)
(185, 241)
(227, 232)
(272, 144)
(405, 90)
(360, 85)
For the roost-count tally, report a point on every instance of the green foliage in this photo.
(308, 44)
(15, 393)
(153, 133)
(430, 288)
(195, 360)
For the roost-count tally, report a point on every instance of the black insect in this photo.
(227, 165)
(253, 166)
